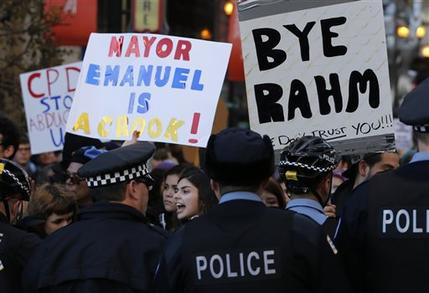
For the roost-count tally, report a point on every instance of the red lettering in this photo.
(49, 78)
(164, 48)
(116, 46)
(182, 50)
(148, 42)
(69, 89)
(133, 47)
(29, 83)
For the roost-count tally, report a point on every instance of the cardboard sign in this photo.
(165, 87)
(48, 96)
(403, 135)
(318, 68)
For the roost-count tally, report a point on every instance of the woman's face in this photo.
(270, 200)
(56, 221)
(169, 189)
(187, 200)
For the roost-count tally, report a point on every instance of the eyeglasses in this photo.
(74, 178)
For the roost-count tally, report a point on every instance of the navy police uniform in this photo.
(241, 245)
(111, 247)
(384, 234)
(16, 246)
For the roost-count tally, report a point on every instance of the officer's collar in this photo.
(111, 210)
(239, 195)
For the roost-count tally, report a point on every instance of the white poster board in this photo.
(163, 86)
(48, 96)
(318, 69)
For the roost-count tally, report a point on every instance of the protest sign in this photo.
(48, 96)
(403, 135)
(165, 87)
(318, 68)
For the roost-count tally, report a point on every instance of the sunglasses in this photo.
(73, 178)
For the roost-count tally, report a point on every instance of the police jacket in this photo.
(243, 246)
(109, 249)
(384, 233)
(16, 247)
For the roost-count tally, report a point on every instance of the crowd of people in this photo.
(136, 217)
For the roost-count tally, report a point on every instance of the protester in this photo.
(50, 208)
(23, 156)
(273, 195)
(383, 231)
(168, 218)
(361, 171)
(9, 138)
(240, 245)
(110, 248)
(16, 246)
(194, 196)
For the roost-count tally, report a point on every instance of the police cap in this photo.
(239, 157)
(14, 181)
(119, 165)
(414, 110)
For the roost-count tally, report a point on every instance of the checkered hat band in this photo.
(422, 128)
(117, 177)
(16, 180)
(308, 167)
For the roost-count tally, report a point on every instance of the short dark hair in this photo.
(10, 134)
(423, 137)
(115, 192)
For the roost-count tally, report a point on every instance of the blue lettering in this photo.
(111, 75)
(196, 85)
(61, 138)
(143, 105)
(93, 74)
(56, 98)
(67, 102)
(160, 82)
(128, 77)
(180, 76)
(43, 102)
(145, 75)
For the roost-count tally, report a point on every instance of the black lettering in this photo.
(266, 49)
(298, 98)
(324, 94)
(356, 78)
(327, 35)
(303, 38)
(267, 95)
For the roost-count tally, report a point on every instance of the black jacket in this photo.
(109, 249)
(242, 246)
(16, 247)
(384, 232)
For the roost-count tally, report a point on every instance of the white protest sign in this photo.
(165, 87)
(318, 69)
(403, 135)
(48, 96)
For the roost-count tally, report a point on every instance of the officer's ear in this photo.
(215, 187)
(363, 168)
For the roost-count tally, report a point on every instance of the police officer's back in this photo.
(16, 246)
(384, 232)
(240, 245)
(111, 248)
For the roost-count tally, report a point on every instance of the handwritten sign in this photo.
(165, 87)
(318, 68)
(48, 97)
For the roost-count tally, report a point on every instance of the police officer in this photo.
(111, 248)
(306, 167)
(16, 246)
(241, 245)
(384, 232)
